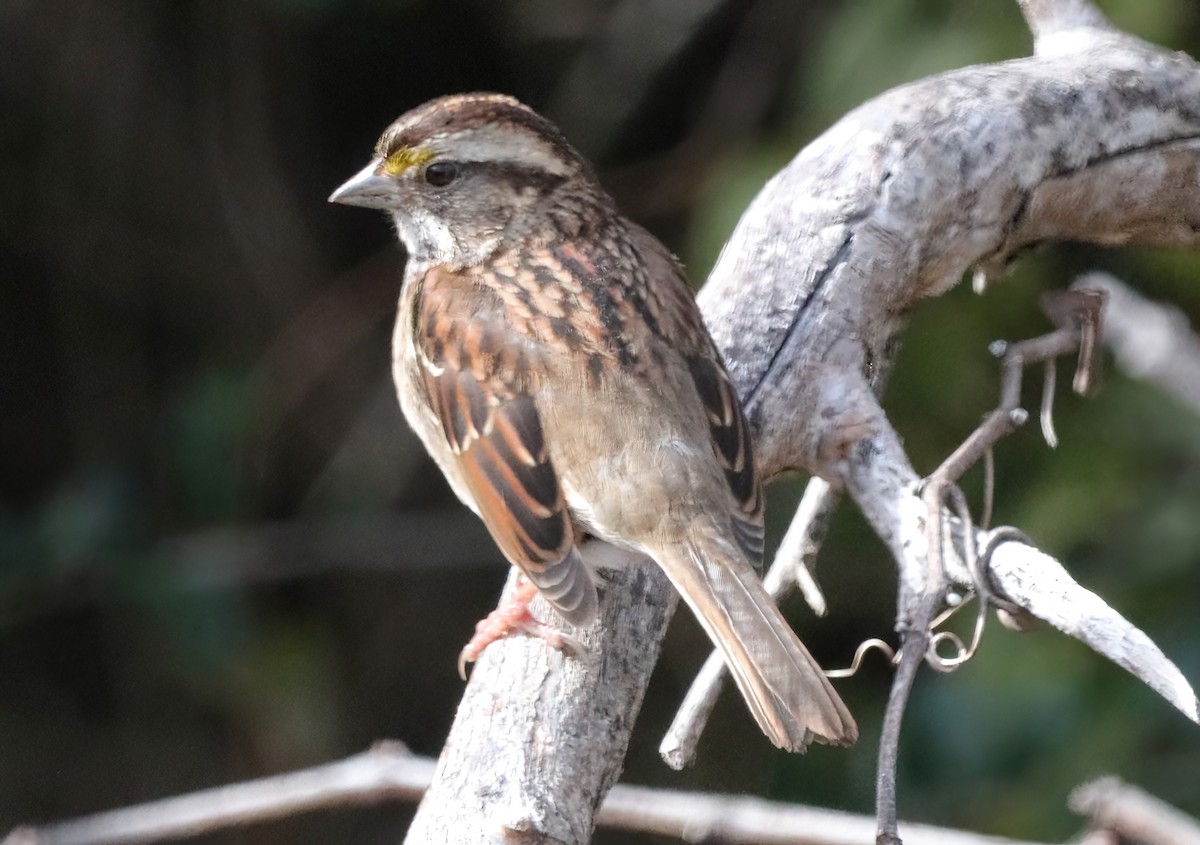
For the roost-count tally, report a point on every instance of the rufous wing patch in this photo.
(477, 389)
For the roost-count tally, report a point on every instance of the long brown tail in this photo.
(786, 691)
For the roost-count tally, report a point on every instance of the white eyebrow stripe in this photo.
(497, 143)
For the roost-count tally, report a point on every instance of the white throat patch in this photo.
(427, 238)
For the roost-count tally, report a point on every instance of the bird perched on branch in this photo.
(550, 355)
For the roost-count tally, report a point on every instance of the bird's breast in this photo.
(406, 375)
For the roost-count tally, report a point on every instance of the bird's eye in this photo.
(441, 173)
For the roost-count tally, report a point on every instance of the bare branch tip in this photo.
(675, 757)
(1051, 17)
(811, 590)
(21, 836)
(389, 748)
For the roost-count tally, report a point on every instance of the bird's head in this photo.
(462, 173)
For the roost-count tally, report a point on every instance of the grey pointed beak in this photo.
(366, 188)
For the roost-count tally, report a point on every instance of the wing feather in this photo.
(731, 443)
(476, 381)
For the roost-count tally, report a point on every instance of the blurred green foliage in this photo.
(196, 398)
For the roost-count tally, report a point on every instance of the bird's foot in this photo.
(510, 617)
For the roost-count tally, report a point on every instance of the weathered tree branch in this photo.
(1132, 814)
(540, 736)
(1151, 341)
(1095, 138)
(388, 772)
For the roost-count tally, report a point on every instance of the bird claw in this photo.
(512, 616)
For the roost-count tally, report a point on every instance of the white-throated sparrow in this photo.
(550, 355)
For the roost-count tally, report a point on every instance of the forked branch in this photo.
(1094, 138)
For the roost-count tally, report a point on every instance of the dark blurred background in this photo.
(223, 555)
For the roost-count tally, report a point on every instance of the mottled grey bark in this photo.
(540, 736)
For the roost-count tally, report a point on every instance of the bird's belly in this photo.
(629, 480)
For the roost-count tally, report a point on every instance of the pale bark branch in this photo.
(1132, 814)
(388, 772)
(739, 820)
(1151, 341)
(1096, 138)
(540, 736)
(1037, 583)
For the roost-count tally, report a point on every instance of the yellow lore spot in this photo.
(402, 159)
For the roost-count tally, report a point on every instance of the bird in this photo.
(550, 355)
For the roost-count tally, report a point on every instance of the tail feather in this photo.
(784, 687)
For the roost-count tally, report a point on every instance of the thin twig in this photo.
(1072, 311)
(1151, 341)
(1133, 814)
(389, 772)
(1049, 383)
(989, 488)
(800, 544)
(914, 643)
(914, 625)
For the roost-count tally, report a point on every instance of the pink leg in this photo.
(510, 617)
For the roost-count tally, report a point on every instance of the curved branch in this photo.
(1096, 138)
(1037, 583)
